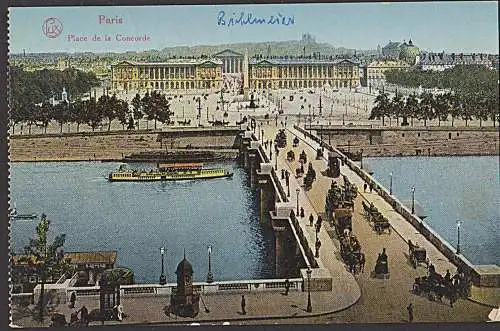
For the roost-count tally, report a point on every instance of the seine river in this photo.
(136, 219)
(451, 189)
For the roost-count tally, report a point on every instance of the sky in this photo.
(468, 27)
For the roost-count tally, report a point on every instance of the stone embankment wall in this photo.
(108, 146)
(434, 141)
(488, 280)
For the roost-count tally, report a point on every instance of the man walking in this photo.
(311, 220)
(243, 304)
(410, 312)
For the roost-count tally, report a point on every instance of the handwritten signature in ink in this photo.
(249, 19)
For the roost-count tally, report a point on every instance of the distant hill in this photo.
(271, 48)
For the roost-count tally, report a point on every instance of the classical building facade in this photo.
(303, 73)
(181, 74)
(375, 71)
(231, 70)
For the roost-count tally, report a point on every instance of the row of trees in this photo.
(475, 94)
(34, 87)
(94, 112)
(429, 107)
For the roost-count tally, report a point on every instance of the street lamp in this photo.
(413, 199)
(458, 233)
(262, 136)
(276, 159)
(309, 306)
(298, 191)
(210, 275)
(163, 279)
(390, 183)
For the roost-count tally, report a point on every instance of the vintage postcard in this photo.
(254, 164)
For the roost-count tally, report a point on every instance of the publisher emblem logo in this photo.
(52, 27)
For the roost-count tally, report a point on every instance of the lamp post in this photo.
(458, 234)
(298, 191)
(309, 306)
(390, 183)
(163, 279)
(276, 159)
(210, 275)
(413, 199)
(262, 136)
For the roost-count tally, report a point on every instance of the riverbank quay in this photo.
(379, 141)
(116, 145)
(410, 227)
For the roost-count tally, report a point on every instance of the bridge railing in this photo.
(311, 260)
(221, 287)
(432, 236)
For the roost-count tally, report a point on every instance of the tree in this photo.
(93, 114)
(45, 113)
(46, 258)
(381, 107)
(396, 107)
(453, 106)
(137, 105)
(441, 108)
(122, 112)
(410, 108)
(425, 109)
(61, 113)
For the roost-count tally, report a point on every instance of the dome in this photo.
(409, 52)
(184, 267)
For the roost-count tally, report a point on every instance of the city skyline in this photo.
(356, 26)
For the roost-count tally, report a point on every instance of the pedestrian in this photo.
(72, 300)
(84, 315)
(364, 187)
(410, 312)
(371, 187)
(282, 173)
(362, 262)
(287, 286)
(243, 305)
(318, 246)
(301, 211)
(311, 220)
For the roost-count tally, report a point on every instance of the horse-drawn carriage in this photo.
(382, 265)
(417, 254)
(435, 288)
(281, 138)
(290, 156)
(319, 153)
(380, 223)
(295, 141)
(342, 220)
(303, 157)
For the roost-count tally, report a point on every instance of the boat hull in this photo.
(166, 177)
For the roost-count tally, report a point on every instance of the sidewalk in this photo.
(221, 307)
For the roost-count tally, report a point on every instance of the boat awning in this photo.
(180, 166)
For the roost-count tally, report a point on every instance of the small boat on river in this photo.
(168, 172)
(15, 216)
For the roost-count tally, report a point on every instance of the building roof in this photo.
(228, 53)
(282, 61)
(387, 63)
(453, 59)
(172, 62)
(108, 257)
(184, 267)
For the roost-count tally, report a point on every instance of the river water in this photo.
(136, 219)
(451, 189)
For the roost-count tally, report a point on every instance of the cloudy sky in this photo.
(451, 26)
